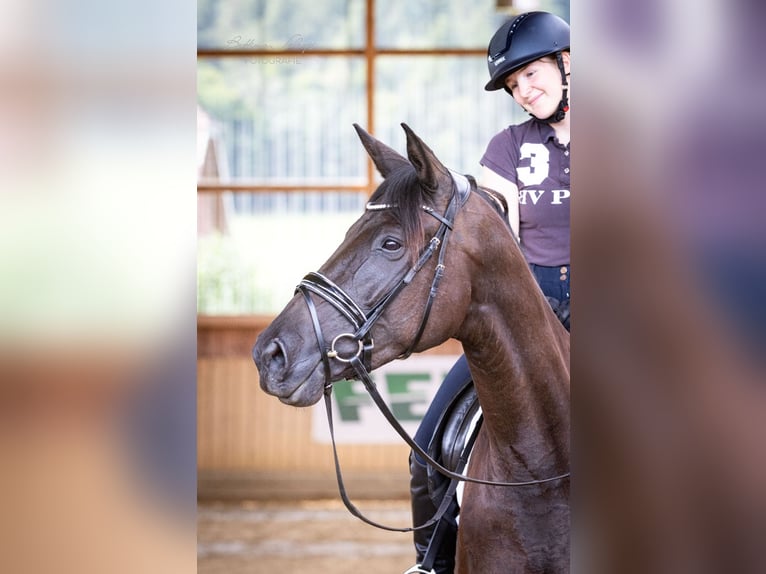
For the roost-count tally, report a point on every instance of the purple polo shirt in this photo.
(530, 156)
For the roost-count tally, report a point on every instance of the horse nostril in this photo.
(273, 358)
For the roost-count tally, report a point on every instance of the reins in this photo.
(360, 360)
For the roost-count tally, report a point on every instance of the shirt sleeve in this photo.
(500, 156)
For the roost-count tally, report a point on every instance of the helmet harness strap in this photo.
(563, 107)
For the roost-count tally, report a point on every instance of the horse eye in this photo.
(391, 244)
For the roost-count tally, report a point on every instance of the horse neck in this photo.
(519, 359)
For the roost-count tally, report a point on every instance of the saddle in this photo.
(453, 439)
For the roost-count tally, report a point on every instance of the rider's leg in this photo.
(423, 507)
(555, 283)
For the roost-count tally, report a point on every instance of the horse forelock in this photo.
(404, 193)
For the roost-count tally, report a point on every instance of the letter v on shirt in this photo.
(534, 194)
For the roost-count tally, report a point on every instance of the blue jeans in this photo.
(554, 281)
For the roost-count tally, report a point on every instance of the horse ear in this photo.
(385, 159)
(431, 172)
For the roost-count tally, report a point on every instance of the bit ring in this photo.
(333, 353)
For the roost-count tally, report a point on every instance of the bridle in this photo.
(360, 357)
(320, 285)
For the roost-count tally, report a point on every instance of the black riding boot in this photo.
(422, 510)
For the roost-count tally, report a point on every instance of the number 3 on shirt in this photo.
(538, 156)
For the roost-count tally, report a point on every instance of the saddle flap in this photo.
(450, 437)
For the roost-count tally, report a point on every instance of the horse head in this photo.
(384, 293)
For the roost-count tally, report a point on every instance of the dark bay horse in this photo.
(433, 258)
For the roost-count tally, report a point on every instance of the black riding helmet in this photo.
(524, 39)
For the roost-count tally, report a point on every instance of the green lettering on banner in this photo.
(403, 398)
(349, 399)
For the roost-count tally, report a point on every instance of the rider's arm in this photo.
(493, 180)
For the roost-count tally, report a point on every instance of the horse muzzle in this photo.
(282, 377)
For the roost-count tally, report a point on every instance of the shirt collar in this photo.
(547, 133)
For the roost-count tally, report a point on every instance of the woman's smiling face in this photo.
(537, 86)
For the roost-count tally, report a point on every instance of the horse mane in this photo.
(500, 204)
(496, 200)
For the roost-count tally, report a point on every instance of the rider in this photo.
(528, 57)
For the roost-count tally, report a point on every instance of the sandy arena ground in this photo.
(311, 537)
